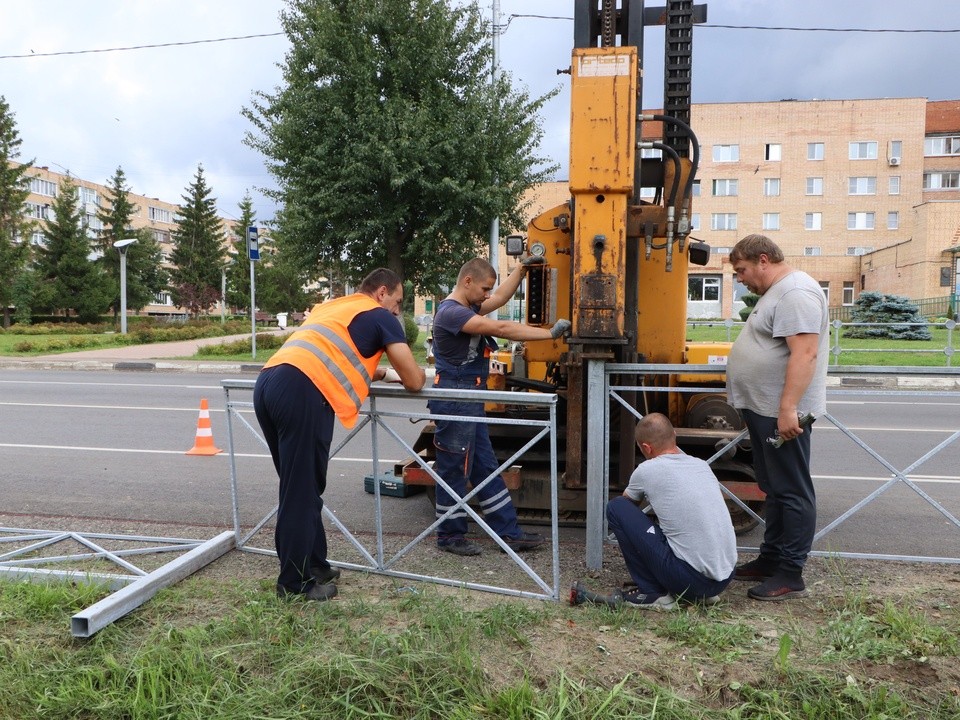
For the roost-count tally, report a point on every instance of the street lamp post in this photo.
(223, 290)
(121, 246)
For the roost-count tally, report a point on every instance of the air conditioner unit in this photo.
(894, 161)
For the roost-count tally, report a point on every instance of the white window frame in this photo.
(158, 214)
(864, 185)
(695, 190)
(815, 151)
(943, 180)
(771, 187)
(825, 286)
(771, 221)
(694, 222)
(941, 145)
(812, 251)
(858, 250)
(847, 299)
(726, 153)
(862, 150)
(711, 282)
(725, 187)
(39, 186)
(863, 220)
(723, 221)
(893, 220)
(813, 221)
(814, 186)
(893, 185)
(773, 152)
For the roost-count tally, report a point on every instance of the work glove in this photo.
(561, 327)
(532, 260)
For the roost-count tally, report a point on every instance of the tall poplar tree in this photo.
(198, 252)
(146, 275)
(389, 142)
(70, 280)
(15, 226)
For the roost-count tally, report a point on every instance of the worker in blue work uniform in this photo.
(463, 339)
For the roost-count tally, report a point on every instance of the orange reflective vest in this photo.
(322, 350)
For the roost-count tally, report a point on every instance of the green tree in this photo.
(388, 141)
(69, 280)
(197, 250)
(146, 275)
(280, 278)
(15, 226)
(877, 307)
(238, 269)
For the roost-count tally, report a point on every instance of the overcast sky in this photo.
(158, 112)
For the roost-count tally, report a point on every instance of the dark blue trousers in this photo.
(650, 560)
(790, 511)
(297, 423)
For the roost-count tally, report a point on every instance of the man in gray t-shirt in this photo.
(692, 551)
(777, 372)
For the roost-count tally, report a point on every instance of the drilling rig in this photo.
(616, 258)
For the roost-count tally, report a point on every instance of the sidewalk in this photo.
(152, 356)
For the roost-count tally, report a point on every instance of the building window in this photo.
(939, 146)
(648, 192)
(695, 191)
(163, 298)
(813, 221)
(893, 185)
(847, 293)
(721, 250)
(43, 187)
(860, 221)
(726, 153)
(725, 188)
(941, 180)
(158, 214)
(772, 152)
(771, 221)
(859, 250)
(723, 221)
(895, 151)
(815, 151)
(703, 288)
(771, 187)
(89, 197)
(825, 286)
(814, 186)
(37, 239)
(863, 151)
(862, 186)
(893, 220)
(811, 251)
(37, 211)
(694, 221)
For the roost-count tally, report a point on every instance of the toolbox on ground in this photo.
(391, 485)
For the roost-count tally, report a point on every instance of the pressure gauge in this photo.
(538, 249)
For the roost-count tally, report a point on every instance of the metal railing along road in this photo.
(374, 420)
(601, 389)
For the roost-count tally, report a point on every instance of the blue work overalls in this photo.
(465, 453)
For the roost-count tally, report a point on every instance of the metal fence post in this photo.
(597, 408)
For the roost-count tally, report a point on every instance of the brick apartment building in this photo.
(861, 194)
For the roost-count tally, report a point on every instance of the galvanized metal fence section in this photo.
(601, 389)
(373, 419)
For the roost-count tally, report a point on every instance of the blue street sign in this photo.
(253, 243)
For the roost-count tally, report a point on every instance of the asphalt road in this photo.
(112, 445)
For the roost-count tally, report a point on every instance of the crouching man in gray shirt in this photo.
(691, 554)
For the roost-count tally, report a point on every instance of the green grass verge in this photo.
(227, 649)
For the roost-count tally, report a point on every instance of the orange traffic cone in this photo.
(203, 445)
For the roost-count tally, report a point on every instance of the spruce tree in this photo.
(146, 275)
(70, 281)
(197, 249)
(15, 226)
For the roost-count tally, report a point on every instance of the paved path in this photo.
(152, 356)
